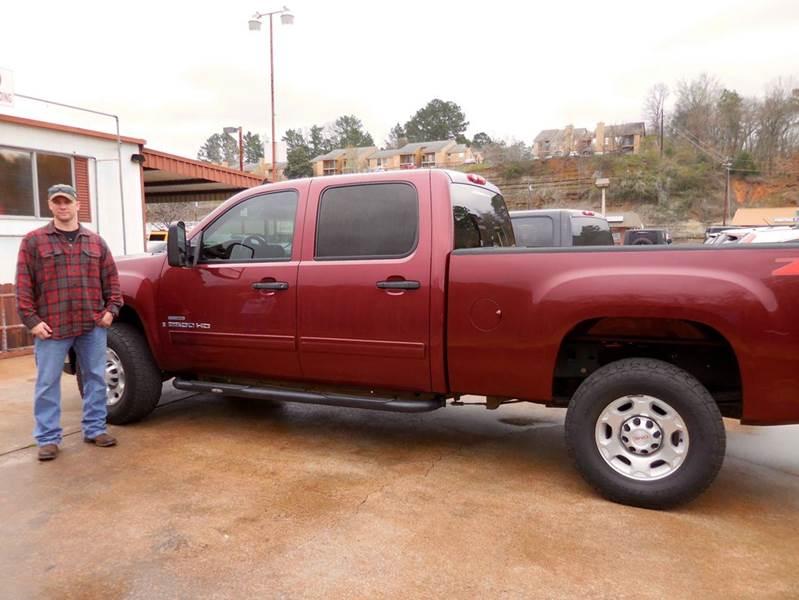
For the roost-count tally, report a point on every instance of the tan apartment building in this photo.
(343, 160)
(385, 160)
(571, 141)
(420, 155)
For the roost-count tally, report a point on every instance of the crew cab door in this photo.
(364, 283)
(234, 313)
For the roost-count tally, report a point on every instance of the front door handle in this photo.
(270, 285)
(399, 285)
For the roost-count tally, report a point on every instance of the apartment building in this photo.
(571, 141)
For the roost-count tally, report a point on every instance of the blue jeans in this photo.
(50, 355)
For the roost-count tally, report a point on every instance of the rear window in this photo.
(590, 231)
(480, 217)
(534, 232)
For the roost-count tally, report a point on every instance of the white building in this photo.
(35, 155)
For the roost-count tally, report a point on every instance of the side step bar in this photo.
(308, 397)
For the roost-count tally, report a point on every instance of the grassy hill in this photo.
(683, 190)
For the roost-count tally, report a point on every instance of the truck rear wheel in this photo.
(645, 433)
(132, 379)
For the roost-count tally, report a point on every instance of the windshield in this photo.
(481, 218)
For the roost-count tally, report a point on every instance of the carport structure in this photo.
(171, 178)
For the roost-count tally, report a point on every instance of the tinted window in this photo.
(534, 232)
(16, 183)
(590, 231)
(50, 170)
(367, 221)
(260, 229)
(480, 217)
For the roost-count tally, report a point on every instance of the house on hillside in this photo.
(571, 141)
(385, 160)
(343, 160)
(417, 155)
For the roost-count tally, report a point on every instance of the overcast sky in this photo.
(175, 72)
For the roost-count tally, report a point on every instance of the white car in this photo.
(771, 235)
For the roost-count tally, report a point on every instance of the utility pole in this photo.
(727, 165)
(661, 131)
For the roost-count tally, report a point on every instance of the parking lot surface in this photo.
(212, 498)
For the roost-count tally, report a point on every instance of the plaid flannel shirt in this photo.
(67, 285)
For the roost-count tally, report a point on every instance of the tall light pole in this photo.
(241, 144)
(255, 25)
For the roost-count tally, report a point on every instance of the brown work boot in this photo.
(48, 451)
(104, 440)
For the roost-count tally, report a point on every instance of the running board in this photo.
(308, 397)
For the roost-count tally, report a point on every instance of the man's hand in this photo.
(42, 331)
(106, 320)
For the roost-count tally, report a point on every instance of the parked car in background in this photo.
(646, 237)
(729, 236)
(560, 227)
(771, 235)
(156, 241)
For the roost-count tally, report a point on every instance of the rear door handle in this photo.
(270, 285)
(399, 285)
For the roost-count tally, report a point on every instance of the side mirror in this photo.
(176, 245)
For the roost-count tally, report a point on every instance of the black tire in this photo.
(674, 388)
(142, 389)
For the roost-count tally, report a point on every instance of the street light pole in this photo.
(241, 144)
(255, 25)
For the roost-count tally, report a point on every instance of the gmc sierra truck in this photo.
(399, 291)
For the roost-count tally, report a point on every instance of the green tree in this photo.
(481, 140)
(294, 138)
(348, 132)
(396, 137)
(438, 120)
(298, 163)
(253, 148)
(319, 141)
(221, 148)
(729, 118)
(212, 150)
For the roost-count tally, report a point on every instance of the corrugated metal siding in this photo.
(82, 187)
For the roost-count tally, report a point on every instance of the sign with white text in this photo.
(6, 87)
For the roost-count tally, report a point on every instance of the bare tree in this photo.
(163, 214)
(654, 106)
(777, 123)
(695, 109)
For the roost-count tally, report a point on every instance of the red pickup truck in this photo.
(401, 290)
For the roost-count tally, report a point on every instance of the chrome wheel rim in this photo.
(114, 378)
(642, 437)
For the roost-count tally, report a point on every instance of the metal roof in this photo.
(68, 129)
(171, 178)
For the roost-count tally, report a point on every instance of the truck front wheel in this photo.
(645, 433)
(133, 381)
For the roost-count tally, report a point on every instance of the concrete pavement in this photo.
(209, 498)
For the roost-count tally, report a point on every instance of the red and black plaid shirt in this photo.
(66, 285)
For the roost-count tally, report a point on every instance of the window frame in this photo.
(288, 258)
(33, 152)
(364, 256)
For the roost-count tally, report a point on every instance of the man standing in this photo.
(67, 295)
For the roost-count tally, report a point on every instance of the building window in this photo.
(406, 159)
(329, 167)
(429, 159)
(25, 176)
